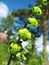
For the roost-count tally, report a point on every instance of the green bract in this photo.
(15, 47)
(20, 56)
(44, 2)
(33, 21)
(37, 10)
(24, 34)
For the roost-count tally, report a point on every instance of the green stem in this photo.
(9, 59)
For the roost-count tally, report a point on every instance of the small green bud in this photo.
(44, 2)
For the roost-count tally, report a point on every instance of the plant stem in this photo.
(9, 59)
(44, 40)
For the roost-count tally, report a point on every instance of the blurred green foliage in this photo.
(4, 55)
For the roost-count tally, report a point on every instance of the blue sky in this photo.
(16, 4)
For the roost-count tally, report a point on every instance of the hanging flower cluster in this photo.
(24, 34)
(33, 22)
(14, 48)
(37, 10)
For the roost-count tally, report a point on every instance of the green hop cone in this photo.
(33, 22)
(15, 48)
(24, 34)
(44, 2)
(37, 10)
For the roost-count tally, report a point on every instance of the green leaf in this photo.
(23, 57)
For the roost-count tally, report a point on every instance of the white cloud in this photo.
(24, 44)
(47, 48)
(3, 10)
(39, 42)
